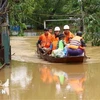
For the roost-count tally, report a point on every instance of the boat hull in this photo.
(68, 59)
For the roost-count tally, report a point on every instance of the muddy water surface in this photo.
(31, 78)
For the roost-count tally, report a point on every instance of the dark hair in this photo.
(46, 29)
(79, 33)
(61, 36)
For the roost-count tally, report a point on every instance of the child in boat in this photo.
(61, 44)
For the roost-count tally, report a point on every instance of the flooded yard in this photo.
(31, 78)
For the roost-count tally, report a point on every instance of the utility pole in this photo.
(82, 14)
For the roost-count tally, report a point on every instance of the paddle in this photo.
(86, 57)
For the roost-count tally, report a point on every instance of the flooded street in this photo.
(31, 78)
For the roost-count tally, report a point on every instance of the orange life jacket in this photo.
(75, 42)
(68, 37)
(54, 42)
(54, 38)
(46, 40)
(77, 84)
(46, 75)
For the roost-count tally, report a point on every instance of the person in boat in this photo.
(68, 34)
(61, 43)
(50, 30)
(60, 50)
(44, 41)
(55, 38)
(77, 45)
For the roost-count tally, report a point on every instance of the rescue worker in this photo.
(50, 30)
(55, 38)
(68, 34)
(44, 41)
(56, 33)
(77, 45)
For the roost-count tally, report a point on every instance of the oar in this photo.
(86, 57)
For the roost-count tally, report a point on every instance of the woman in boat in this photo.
(77, 45)
(68, 34)
(44, 41)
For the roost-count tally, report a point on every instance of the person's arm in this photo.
(71, 35)
(83, 43)
(39, 42)
(83, 47)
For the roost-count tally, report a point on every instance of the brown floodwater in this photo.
(32, 78)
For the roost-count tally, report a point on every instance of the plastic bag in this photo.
(58, 53)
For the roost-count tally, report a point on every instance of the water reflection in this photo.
(21, 79)
(4, 87)
(20, 76)
(63, 82)
(29, 81)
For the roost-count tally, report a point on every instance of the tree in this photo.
(34, 12)
(19, 12)
(92, 21)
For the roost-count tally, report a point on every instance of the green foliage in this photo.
(92, 21)
(19, 12)
(34, 12)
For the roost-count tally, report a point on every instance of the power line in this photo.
(57, 15)
(35, 20)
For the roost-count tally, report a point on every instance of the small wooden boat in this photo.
(68, 59)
